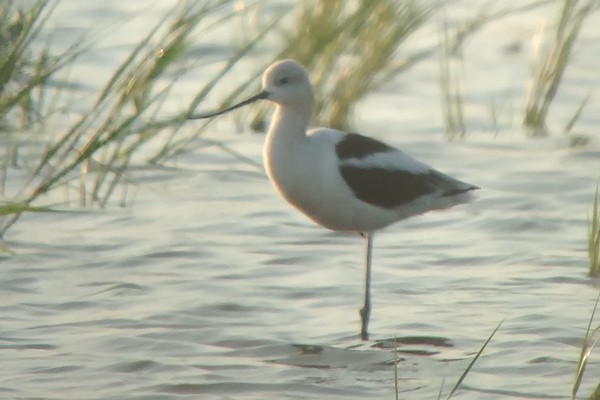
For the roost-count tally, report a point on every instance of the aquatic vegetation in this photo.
(23, 74)
(550, 62)
(452, 97)
(396, 388)
(23, 78)
(451, 62)
(473, 361)
(334, 40)
(594, 238)
(95, 152)
(174, 144)
(591, 337)
(462, 377)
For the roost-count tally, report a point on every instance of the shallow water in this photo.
(207, 285)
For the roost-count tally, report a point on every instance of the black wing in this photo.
(387, 188)
(358, 146)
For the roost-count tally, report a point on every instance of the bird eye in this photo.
(284, 81)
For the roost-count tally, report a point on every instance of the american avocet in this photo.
(342, 181)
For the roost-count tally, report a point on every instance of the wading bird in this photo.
(342, 181)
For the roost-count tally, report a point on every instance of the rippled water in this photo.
(209, 286)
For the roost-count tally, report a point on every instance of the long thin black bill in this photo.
(261, 95)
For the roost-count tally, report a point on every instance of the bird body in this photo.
(358, 192)
(343, 181)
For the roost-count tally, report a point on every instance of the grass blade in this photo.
(594, 238)
(18, 208)
(396, 367)
(549, 67)
(573, 120)
(466, 372)
(586, 349)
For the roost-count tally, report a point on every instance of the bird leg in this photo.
(365, 311)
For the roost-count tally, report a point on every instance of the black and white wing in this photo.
(385, 177)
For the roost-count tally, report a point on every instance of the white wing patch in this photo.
(391, 160)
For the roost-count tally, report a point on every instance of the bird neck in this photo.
(286, 142)
(291, 121)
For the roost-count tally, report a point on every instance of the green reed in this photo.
(591, 337)
(334, 40)
(472, 363)
(452, 97)
(550, 63)
(174, 143)
(95, 152)
(396, 387)
(451, 61)
(594, 238)
(23, 77)
(460, 379)
(24, 74)
(352, 48)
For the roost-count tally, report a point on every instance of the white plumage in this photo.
(343, 181)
